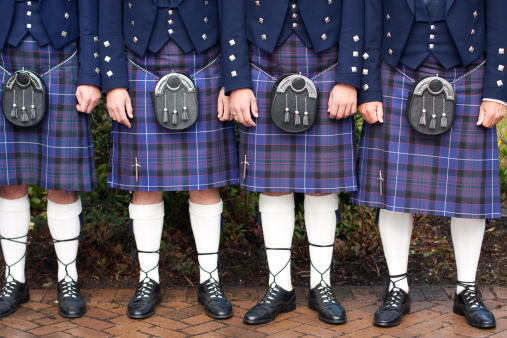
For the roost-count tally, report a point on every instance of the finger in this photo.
(380, 113)
(482, 112)
(348, 111)
(247, 117)
(341, 112)
(254, 108)
(220, 109)
(112, 113)
(333, 110)
(227, 110)
(354, 108)
(89, 106)
(124, 119)
(130, 110)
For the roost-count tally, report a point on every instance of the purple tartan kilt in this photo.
(320, 160)
(454, 174)
(201, 157)
(57, 153)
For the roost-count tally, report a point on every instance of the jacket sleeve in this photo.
(371, 87)
(89, 67)
(495, 78)
(234, 46)
(113, 63)
(351, 43)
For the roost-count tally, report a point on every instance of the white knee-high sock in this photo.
(320, 220)
(14, 223)
(205, 221)
(467, 235)
(396, 230)
(277, 214)
(64, 224)
(148, 225)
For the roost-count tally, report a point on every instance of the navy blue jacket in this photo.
(132, 22)
(328, 22)
(477, 26)
(65, 22)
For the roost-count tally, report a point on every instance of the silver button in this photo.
(294, 25)
(390, 51)
(170, 12)
(97, 70)
(294, 6)
(206, 3)
(388, 34)
(107, 44)
(388, 17)
(96, 55)
(95, 39)
(501, 68)
(234, 73)
(135, 39)
(475, 14)
(324, 36)
(432, 46)
(109, 73)
(29, 3)
(261, 20)
(433, 27)
(432, 37)
(66, 15)
(107, 59)
(64, 34)
(472, 32)
(501, 51)
(356, 38)
(132, 23)
(471, 49)
(355, 54)
(206, 20)
(170, 22)
(366, 56)
(204, 36)
(232, 42)
(130, 5)
(354, 69)
(29, 13)
(170, 31)
(257, 3)
(365, 71)
(263, 36)
(365, 87)
(295, 15)
(28, 26)
(499, 83)
(326, 20)
(329, 2)
(232, 57)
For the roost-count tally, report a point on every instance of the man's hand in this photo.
(87, 98)
(119, 105)
(490, 114)
(243, 105)
(224, 111)
(372, 112)
(342, 101)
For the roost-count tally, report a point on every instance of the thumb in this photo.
(253, 107)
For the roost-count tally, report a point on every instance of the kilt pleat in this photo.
(57, 153)
(201, 157)
(319, 160)
(454, 174)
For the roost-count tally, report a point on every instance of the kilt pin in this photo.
(319, 160)
(203, 156)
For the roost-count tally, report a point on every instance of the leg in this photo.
(395, 230)
(147, 214)
(277, 215)
(14, 224)
(320, 219)
(467, 235)
(205, 207)
(64, 211)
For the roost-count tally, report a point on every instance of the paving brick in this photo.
(92, 323)
(131, 327)
(283, 325)
(434, 293)
(166, 323)
(287, 334)
(199, 319)
(53, 328)
(101, 314)
(37, 295)
(365, 294)
(161, 332)
(104, 295)
(203, 328)
(9, 332)
(124, 295)
(86, 332)
(316, 331)
(18, 323)
(234, 331)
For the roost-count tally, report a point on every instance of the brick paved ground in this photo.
(180, 315)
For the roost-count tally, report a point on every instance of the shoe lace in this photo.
(327, 294)
(18, 240)
(471, 294)
(144, 288)
(214, 289)
(69, 289)
(8, 289)
(393, 297)
(270, 294)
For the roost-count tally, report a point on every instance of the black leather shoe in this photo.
(216, 304)
(275, 301)
(148, 295)
(13, 294)
(323, 300)
(469, 304)
(396, 304)
(70, 302)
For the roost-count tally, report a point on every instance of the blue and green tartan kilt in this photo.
(454, 174)
(57, 153)
(201, 157)
(320, 160)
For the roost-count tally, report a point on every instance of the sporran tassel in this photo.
(306, 121)
(175, 117)
(184, 115)
(433, 122)
(287, 115)
(24, 115)
(33, 115)
(297, 118)
(166, 115)
(14, 110)
(443, 121)
(422, 120)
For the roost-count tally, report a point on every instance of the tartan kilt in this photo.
(319, 160)
(201, 157)
(454, 174)
(57, 153)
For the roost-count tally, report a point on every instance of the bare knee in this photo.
(205, 197)
(62, 197)
(147, 197)
(317, 195)
(13, 192)
(275, 194)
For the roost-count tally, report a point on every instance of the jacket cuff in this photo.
(89, 79)
(496, 93)
(238, 83)
(117, 82)
(352, 79)
(369, 96)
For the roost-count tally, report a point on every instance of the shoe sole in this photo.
(77, 315)
(460, 312)
(405, 312)
(23, 300)
(158, 301)
(201, 301)
(288, 308)
(312, 306)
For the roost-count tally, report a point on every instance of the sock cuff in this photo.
(209, 210)
(17, 205)
(64, 212)
(147, 211)
(455, 221)
(276, 204)
(321, 203)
